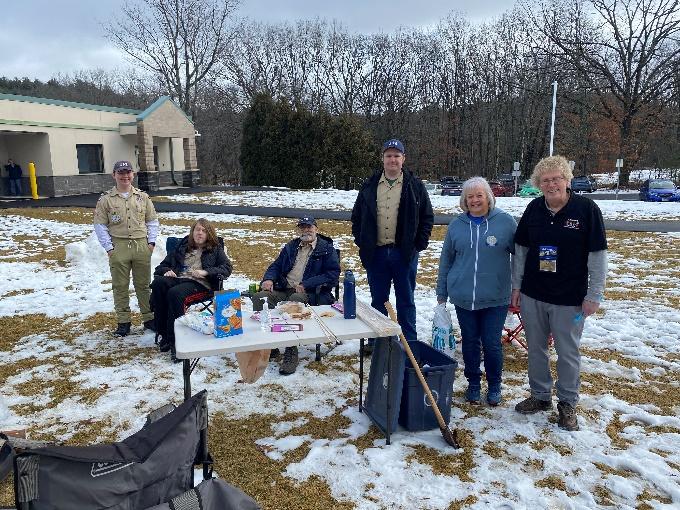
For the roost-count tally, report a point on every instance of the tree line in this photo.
(467, 99)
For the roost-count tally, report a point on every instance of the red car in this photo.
(501, 189)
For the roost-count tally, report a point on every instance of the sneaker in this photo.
(290, 361)
(123, 329)
(567, 417)
(150, 325)
(274, 354)
(532, 405)
(473, 394)
(493, 397)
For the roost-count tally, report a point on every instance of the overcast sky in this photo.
(40, 38)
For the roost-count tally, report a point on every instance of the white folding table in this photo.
(191, 346)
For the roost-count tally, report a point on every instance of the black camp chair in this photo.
(149, 468)
(205, 297)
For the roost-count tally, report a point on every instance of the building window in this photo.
(90, 158)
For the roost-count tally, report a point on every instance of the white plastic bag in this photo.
(442, 329)
(203, 322)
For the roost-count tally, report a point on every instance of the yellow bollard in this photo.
(32, 180)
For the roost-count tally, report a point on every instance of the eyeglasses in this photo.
(554, 180)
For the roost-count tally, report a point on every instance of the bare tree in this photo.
(624, 50)
(180, 41)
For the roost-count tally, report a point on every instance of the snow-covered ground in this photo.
(339, 200)
(627, 453)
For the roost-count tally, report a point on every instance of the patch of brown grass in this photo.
(239, 460)
(551, 482)
(462, 503)
(613, 430)
(457, 464)
(75, 215)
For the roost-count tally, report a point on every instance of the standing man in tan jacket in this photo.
(126, 225)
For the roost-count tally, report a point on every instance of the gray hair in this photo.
(476, 182)
(550, 164)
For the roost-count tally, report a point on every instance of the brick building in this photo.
(74, 145)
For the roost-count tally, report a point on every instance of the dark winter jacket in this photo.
(414, 220)
(14, 172)
(214, 261)
(323, 267)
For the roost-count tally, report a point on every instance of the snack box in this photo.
(279, 328)
(228, 319)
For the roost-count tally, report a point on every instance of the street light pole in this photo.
(552, 124)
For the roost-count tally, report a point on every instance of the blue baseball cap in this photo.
(306, 220)
(123, 166)
(394, 144)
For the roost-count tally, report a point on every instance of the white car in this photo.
(433, 188)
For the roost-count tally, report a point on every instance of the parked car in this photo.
(583, 183)
(528, 190)
(659, 190)
(433, 188)
(448, 179)
(452, 188)
(501, 189)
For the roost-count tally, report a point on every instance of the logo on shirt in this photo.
(570, 223)
(115, 218)
(491, 241)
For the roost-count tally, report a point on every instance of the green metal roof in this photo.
(69, 104)
(156, 104)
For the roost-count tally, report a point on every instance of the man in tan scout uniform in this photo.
(126, 225)
(392, 221)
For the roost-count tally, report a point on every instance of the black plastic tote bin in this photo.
(439, 370)
(378, 392)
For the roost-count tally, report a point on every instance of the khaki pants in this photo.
(276, 296)
(130, 255)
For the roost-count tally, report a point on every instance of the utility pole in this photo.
(552, 124)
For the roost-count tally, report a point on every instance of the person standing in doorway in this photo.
(126, 225)
(14, 172)
(392, 221)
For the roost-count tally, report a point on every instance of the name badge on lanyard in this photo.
(547, 259)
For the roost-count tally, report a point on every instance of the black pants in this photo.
(167, 302)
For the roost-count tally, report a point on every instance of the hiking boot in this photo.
(533, 405)
(367, 349)
(164, 345)
(123, 329)
(150, 325)
(173, 356)
(493, 397)
(290, 361)
(274, 354)
(567, 417)
(473, 394)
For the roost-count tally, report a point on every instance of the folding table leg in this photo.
(361, 374)
(389, 388)
(186, 372)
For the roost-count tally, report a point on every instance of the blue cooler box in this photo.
(415, 412)
(378, 392)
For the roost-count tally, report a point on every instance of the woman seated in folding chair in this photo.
(198, 263)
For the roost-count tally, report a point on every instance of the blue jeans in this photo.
(481, 329)
(388, 267)
(15, 187)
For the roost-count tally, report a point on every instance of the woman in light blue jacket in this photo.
(474, 274)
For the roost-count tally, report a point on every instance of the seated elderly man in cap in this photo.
(306, 270)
